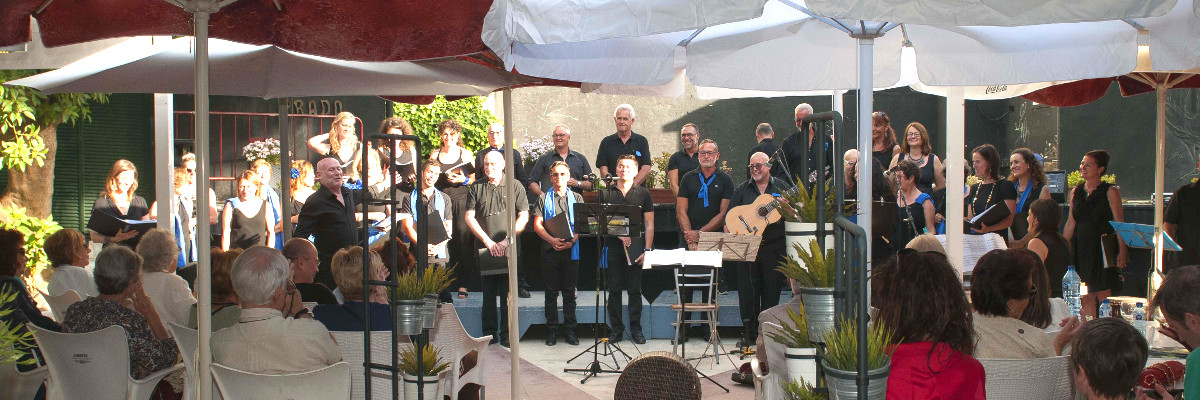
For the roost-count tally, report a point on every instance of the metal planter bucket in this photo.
(842, 384)
(429, 386)
(409, 316)
(818, 305)
(801, 363)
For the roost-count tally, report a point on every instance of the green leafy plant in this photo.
(801, 206)
(800, 390)
(816, 270)
(658, 172)
(841, 346)
(795, 333)
(411, 287)
(23, 113)
(469, 112)
(15, 340)
(1075, 179)
(35, 230)
(431, 361)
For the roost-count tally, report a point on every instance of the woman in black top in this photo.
(916, 207)
(22, 309)
(1029, 181)
(245, 217)
(454, 184)
(990, 191)
(1093, 204)
(916, 148)
(1048, 243)
(119, 200)
(883, 138)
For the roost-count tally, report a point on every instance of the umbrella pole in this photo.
(955, 154)
(866, 98)
(1160, 167)
(203, 266)
(511, 186)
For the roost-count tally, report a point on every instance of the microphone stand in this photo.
(904, 203)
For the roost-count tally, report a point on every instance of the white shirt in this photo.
(70, 277)
(265, 342)
(171, 296)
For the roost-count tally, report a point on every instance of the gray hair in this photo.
(564, 126)
(158, 250)
(257, 273)
(116, 267)
(805, 107)
(625, 107)
(764, 129)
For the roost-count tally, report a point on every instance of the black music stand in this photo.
(603, 221)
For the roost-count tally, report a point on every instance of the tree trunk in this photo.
(34, 187)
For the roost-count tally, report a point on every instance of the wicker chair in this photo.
(351, 344)
(658, 375)
(1039, 378)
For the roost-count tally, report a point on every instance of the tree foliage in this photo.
(469, 112)
(23, 113)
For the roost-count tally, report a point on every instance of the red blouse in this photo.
(944, 374)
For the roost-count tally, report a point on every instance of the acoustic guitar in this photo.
(753, 218)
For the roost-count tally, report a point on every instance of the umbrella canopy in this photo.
(989, 12)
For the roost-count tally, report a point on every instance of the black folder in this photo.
(109, 225)
(992, 215)
(559, 227)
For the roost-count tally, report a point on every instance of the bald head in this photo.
(329, 173)
(493, 166)
(760, 167)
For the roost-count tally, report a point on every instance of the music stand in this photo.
(734, 247)
(603, 221)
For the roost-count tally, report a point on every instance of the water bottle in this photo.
(1105, 309)
(1139, 318)
(1071, 293)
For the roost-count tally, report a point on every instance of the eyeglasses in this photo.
(758, 165)
(561, 135)
(1032, 289)
(913, 134)
(687, 134)
(708, 153)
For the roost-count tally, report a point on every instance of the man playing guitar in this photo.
(758, 282)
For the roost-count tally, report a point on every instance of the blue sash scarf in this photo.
(1024, 194)
(703, 195)
(548, 212)
(438, 204)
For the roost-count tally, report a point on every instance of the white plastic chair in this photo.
(455, 343)
(766, 386)
(187, 339)
(58, 304)
(1038, 378)
(94, 365)
(351, 344)
(21, 385)
(329, 383)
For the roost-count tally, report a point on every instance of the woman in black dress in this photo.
(883, 138)
(118, 199)
(916, 207)
(1048, 243)
(991, 190)
(246, 218)
(458, 165)
(1093, 205)
(916, 148)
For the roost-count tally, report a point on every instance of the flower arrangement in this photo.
(534, 149)
(267, 149)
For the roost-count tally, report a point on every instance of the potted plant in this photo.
(799, 389)
(840, 361)
(429, 368)
(410, 294)
(815, 277)
(800, 355)
(800, 214)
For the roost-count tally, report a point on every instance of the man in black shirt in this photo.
(1182, 223)
(758, 282)
(487, 217)
(685, 160)
(539, 176)
(302, 257)
(800, 150)
(625, 141)
(765, 135)
(625, 254)
(328, 216)
(560, 254)
(701, 204)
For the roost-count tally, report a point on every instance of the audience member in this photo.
(302, 257)
(352, 315)
(927, 243)
(68, 252)
(1093, 204)
(169, 292)
(264, 341)
(247, 217)
(685, 160)
(22, 309)
(225, 309)
(119, 200)
(624, 142)
(1107, 356)
(1001, 288)
(777, 315)
(1043, 311)
(560, 255)
(924, 305)
(1179, 302)
(328, 216)
(118, 275)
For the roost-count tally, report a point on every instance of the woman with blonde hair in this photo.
(301, 186)
(119, 200)
(347, 273)
(343, 143)
(181, 220)
(245, 218)
(68, 252)
(916, 148)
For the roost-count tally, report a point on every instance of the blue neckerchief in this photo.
(548, 212)
(704, 186)
(1024, 194)
(438, 204)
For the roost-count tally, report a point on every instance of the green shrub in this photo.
(35, 231)
(13, 342)
(800, 390)
(795, 334)
(469, 112)
(841, 346)
(816, 271)
(431, 361)
(411, 287)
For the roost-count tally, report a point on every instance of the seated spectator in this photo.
(22, 309)
(776, 315)
(1179, 302)
(68, 252)
(1107, 356)
(118, 276)
(225, 309)
(925, 243)
(1044, 312)
(1001, 288)
(302, 257)
(350, 316)
(264, 341)
(170, 293)
(403, 258)
(923, 303)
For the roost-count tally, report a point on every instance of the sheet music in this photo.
(681, 257)
(974, 246)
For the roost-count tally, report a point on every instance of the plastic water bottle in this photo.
(1071, 282)
(1105, 309)
(1139, 318)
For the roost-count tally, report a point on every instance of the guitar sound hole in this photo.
(763, 211)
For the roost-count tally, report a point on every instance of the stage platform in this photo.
(656, 317)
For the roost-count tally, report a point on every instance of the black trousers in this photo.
(495, 286)
(560, 274)
(759, 285)
(623, 277)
